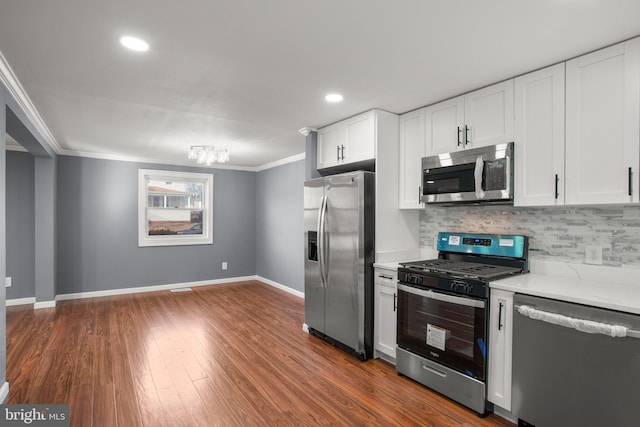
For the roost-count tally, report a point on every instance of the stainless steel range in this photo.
(443, 309)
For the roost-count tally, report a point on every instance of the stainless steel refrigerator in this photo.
(339, 252)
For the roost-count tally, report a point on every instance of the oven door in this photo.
(445, 328)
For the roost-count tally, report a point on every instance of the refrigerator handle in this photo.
(321, 241)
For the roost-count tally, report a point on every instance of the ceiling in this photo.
(247, 74)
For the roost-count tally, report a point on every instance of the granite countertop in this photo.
(623, 297)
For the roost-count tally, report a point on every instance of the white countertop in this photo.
(387, 265)
(615, 296)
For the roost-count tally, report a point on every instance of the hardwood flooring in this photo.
(221, 355)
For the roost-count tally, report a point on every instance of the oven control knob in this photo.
(414, 278)
(461, 287)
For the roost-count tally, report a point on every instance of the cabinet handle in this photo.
(500, 316)
(466, 134)
(557, 180)
(337, 152)
(394, 301)
(382, 276)
(342, 157)
(630, 180)
(459, 135)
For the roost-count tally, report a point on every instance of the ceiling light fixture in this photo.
(208, 154)
(333, 97)
(134, 43)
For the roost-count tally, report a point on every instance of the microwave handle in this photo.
(477, 173)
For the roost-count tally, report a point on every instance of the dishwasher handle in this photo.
(582, 325)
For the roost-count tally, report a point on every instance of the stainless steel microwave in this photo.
(477, 175)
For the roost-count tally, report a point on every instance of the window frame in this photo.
(146, 240)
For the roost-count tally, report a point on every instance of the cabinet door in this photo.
(500, 342)
(385, 312)
(360, 138)
(330, 141)
(539, 138)
(488, 114)
(444, 123)
(411, 147)
(602, 119)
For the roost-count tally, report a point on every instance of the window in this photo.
(174, 208)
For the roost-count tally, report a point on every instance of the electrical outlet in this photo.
(224, 265)
(593, 254)
(7, 282)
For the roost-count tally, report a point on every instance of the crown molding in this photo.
(134, 159)
(281, 162)
(11, 82)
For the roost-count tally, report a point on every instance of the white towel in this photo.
(582, 325)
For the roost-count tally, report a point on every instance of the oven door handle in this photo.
(469, 302)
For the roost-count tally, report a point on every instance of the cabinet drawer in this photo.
(386, 278)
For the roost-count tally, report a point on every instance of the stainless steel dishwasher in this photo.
(563, 376)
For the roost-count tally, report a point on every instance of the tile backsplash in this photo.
(555, 233)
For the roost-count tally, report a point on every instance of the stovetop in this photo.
(474, 270)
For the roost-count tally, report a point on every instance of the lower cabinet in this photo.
(500, 341)
(385, 313)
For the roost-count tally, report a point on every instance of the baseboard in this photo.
(20, 301)
(305, 327)
(154, 288)
(280, 286)
(44, 304)
(4, 392)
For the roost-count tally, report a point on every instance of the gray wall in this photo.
(97, 231)
(556, 233)
(280, 224)
(20, 224)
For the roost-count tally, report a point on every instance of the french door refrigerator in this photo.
(339, 253)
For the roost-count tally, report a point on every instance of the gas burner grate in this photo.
(462, 268)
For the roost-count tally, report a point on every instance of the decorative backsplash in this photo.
(555, 233)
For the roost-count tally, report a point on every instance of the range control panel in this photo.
(503, 245)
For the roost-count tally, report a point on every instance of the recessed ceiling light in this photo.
(134, 43)
(333, 97)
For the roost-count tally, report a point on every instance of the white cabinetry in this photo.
(349, 141)
(480, 118)
(602, 126)
(539, 138)
(411, 151)
(385, 313)
(500, 342)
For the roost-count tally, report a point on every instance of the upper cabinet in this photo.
(577, 138)
(346, 142)
(411, 150)
(539, 138)
(480, 118)
(602, 126)
(444, 126)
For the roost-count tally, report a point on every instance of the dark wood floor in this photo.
(225, 355)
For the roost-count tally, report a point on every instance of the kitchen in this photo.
(559, 232)
(566, 243)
